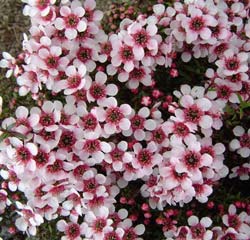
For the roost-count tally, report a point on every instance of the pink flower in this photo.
(116, 118)
(98, 91)
(28, 220)
(232, 63)
(72, 230)
(194, 112)
(197, 25)
(145, 159)
(242, 145)
(243, 172)
(236, 221)
(98, 223)
(75, 80)
(140, 38)
(118, 156)
(198, 228)
(71, 20)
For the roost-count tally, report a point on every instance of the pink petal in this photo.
(65, 11)
(205, 33)
(79, 11)
(70, 33)
(82, 26)
(59, 23)
(22, 112)
(126, 109)
(186, 101)
(150, 124)
(100, 78)
(206, 122)
(138, 52)
(124, 124)
(129, 66)
(193, 220)
(152, 29)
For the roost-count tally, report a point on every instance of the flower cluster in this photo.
(79, 150)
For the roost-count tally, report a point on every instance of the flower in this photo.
(242, 145)
(71, 20)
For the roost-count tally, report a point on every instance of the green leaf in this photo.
(4, 136)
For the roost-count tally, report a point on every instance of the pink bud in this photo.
(145, 207)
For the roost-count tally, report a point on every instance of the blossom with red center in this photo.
(50, 60)
(72, 20)
(130, 232)
(243, 172)
(232, 63)
(194, 112)
(24, 122)
(140, 123)
(75, 80)
(98, 223)
(242, 143)
(29, 81)
(73, 231)
(198, 228)
(87, 54)
(171, 178)
(114, 235)
(92, 147)
(136, 76)
(236, 221)
(49, 116)
(139, 38)
(122, 54)
(118, 156)
(28, 220)
(145, 159)
(41, 7)
(98, 91)
(116, 118)
(91, 14)
(23, 154)
(197, 25)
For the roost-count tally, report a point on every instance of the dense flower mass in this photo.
(73, 155)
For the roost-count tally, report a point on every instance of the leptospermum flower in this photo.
(72, 20)
(116, 118)
(198, 228)
(122, 54)
(140, 37)
(98, 91)
(242, 172)
(242, 145)
(130, 231)
(49, 59)
(237, 221)
(72, 230)
(145, 159)
(140, 123)
(197, 25)
(28, 220)
(194, 112)
(190, 160)
(75, 80)
(98, 222)
(136, 76)
(232, 63)
(118, 156)
(37, 7)
(49, 116)
(23, 155)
